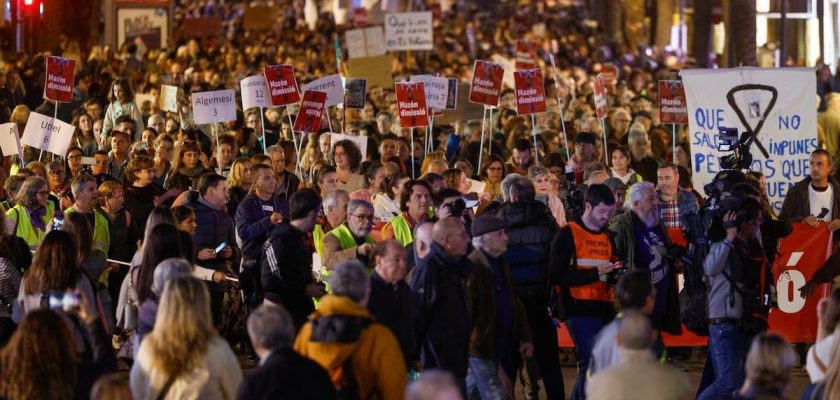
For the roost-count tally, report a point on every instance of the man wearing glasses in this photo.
(351, 240)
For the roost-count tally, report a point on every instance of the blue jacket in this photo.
(253, 223)
(214, 227)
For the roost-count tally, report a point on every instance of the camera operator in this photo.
(450, 203)
(581, 255)
(739, 278)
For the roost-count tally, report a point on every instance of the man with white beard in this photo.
(643, 243)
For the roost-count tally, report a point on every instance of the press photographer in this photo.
(739, 280)
(582, 255)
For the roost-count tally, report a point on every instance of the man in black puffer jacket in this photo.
(530, 229)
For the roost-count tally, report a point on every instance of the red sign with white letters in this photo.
(61, 75)
(282, 85)
(486, 83)
(530, 91)
(311, 111)
(411, 101)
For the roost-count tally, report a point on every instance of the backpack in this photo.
(694, 302)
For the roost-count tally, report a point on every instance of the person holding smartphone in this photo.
(582, 261)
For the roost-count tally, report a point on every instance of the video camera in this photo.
(729, 140)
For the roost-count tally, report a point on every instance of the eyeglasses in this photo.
(363, 217)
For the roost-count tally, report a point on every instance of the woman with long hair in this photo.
(92, 261)
(187, 168)
(492, 173)
(121, 97)
(769, 365)
(14, 259)
(184, 357)
(239, 183)
(83, 135)
(374, 174)
(74, 162)
(33, 211)
(311, 155)
(347, 158)
(456, 179)
(54, 268)
(42, 360)
(386, 202)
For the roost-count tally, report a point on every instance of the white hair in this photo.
(636, 192)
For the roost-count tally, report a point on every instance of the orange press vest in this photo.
(591, 250)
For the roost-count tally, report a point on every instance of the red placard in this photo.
(672, 106)
(282, 85)
(526, 54)
(311, 111)
(411, 101)
(486, 83)
(601, 106)
(609, 72)
(530, 91)
(61, 75)
(359, 17)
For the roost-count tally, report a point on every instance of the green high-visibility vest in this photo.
(25, 230)
(101, 235)
(402, 230)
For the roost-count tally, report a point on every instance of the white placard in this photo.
(360, 141)
(9, 139)
(169, 98)
(254, 92)
(140, 98)
(509, 66)
(48, 134)
(476, 186)
(331, 85)
(212, 107)
(777, 104)
(409, 31)
(437, 90)
(366, 42)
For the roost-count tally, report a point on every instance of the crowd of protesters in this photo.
(436, 270)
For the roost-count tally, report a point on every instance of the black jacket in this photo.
(530, 228)
(214, 227)
(253, 223)
(443, 324)
(286, 270)
(287, 375)
(393, 306)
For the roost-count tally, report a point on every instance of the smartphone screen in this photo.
(221, 247)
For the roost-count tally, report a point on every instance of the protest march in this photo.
(412, 200)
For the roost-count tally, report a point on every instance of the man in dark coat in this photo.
(282, 372)
(439, 286)
(390, 297)
(286, 265)
(530, 228)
